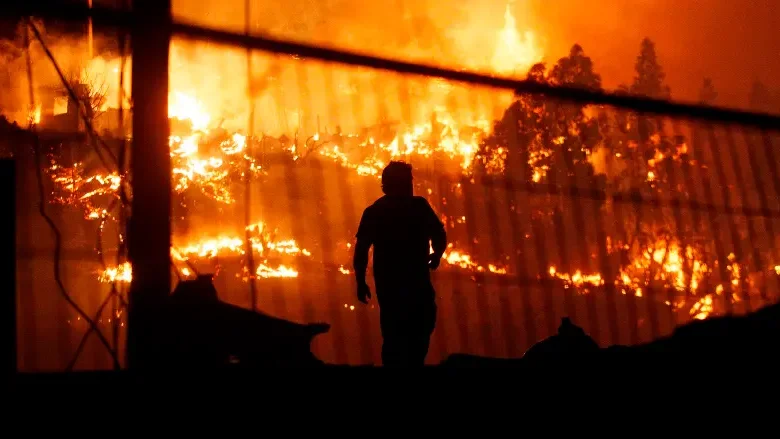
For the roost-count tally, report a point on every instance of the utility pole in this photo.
(149, 226)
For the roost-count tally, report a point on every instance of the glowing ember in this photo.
(578, 279)
(196, 251)
(121, 274)
(702, 309)
(34, 117)
(666, 265)
(92, 193)
(460, 259)
(208, 160)
(442, 137)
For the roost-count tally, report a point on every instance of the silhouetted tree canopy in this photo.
(708, 94)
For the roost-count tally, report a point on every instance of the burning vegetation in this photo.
(596, 200)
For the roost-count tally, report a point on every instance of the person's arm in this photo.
(365, 240)
(360, 260)
(437, 235)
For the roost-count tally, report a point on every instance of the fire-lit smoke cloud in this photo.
(310, 96)
(733, 42)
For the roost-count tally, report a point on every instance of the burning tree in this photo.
(548, 144)
(567, 157)
(668, 244)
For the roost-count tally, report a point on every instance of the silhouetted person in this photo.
(571, 340)
(402, 228)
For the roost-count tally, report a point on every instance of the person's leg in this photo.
(418, 345)
(422, 336)
(393, 350)
(393, 338)
(407, 325)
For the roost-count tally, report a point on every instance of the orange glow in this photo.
(210, 150)
(34, 117)
(515, 53)
(280, 271)
(702, 309)
(261, 241)
(460, 259)
(577, 279)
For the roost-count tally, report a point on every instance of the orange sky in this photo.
(733, 41)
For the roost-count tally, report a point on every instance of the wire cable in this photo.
(96, 139)
(114, 293)
(82, 111)
(121, 254)
(42, 209)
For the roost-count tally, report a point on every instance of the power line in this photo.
(82, 110)
(42, 210)
(95, 138)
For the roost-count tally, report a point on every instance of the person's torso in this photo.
(401, 243)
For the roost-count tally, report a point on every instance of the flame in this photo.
(261, 241)
(122, 273)
(665, 265)
(281, 271)
(578, 279)
(702, 309)
(443, 137)
(186, 107)
(34, 117)
(462, 260)
(515, 53)
(344, 270)
(207, 157)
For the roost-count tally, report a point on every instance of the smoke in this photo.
(71, 54)
(732, 42)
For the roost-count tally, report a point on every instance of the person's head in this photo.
(568, 328)
(397, 179)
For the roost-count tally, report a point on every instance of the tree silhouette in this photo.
(708, 95)
(649, 79)
(550, 140)
(760, 98)
(549, 143)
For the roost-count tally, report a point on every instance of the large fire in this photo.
(208, 158)
(515, 53)
(209, 155)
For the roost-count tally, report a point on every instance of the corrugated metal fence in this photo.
(628, 215)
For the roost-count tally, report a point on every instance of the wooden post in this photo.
(8, 263)
(149, 228)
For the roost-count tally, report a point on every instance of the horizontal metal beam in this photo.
(115, 17)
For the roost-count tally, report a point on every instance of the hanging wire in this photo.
(115, 297)
(120, 303)
(87, 122)
(42, 200)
